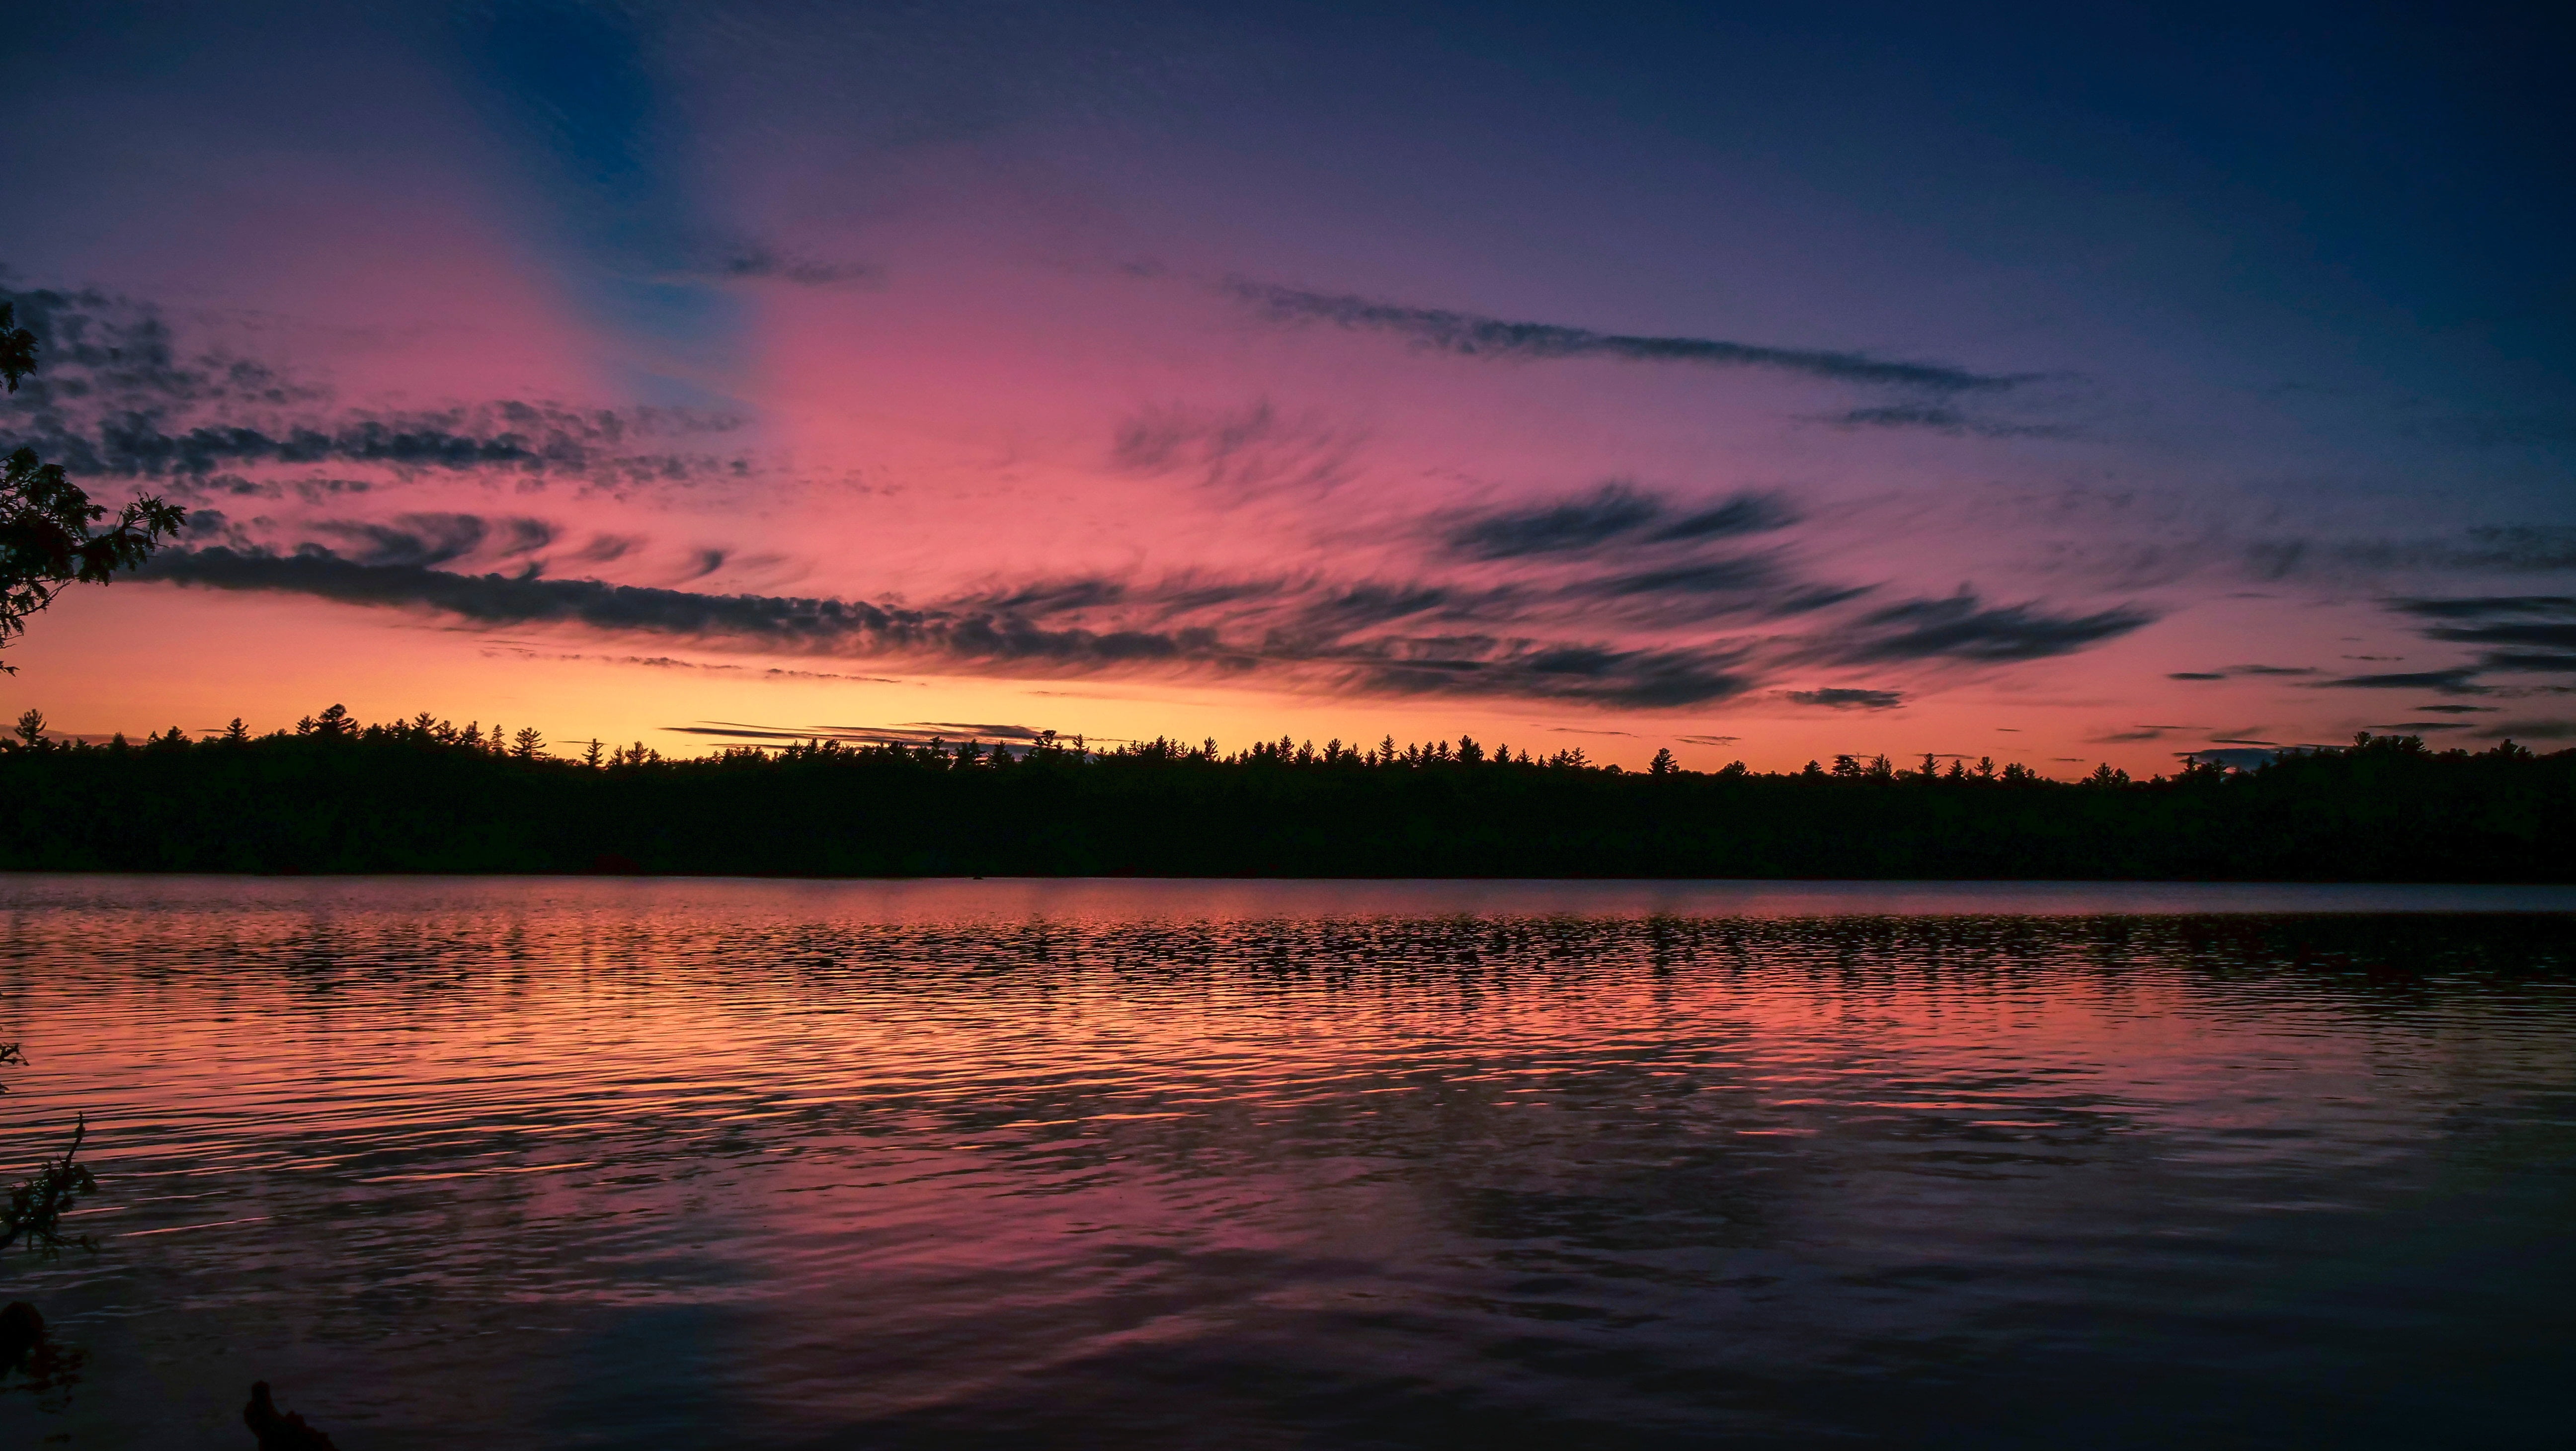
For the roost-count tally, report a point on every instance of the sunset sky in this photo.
(1856, 379)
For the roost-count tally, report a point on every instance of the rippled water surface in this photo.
(982, 1164)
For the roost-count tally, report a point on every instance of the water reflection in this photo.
(622, 1164)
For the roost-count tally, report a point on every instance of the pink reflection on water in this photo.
(785, 1157)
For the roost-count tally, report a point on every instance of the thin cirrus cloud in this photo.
(1942, 418)
(760, 262)
(2236, 670)
(954, 639)
(667, 662)
(1244, 451)
(1420, 638)
(2485, 549)
(527, 441)
(110, 350)
(427, 539)
(2460, 681)
(1847, 698)
(1723, 577)
(2524, 626)
(1963, 627)
(1601, 597)
(1473, 335)
(2136, 734)
(2532, 730)
(119, 397)
(1751, 587)
(916, 733)
(1616, 512)
(764, 262)
(2523, 635)
(128, 401)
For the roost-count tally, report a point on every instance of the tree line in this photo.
(425, 795)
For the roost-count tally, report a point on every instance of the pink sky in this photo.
(1140, 402)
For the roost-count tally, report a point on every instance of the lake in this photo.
(653, 1163)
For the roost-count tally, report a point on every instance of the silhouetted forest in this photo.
(425, 796)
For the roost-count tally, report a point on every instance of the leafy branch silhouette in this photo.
(48, 533)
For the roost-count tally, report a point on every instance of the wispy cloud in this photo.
(1845, 698)
(952, 639)
(1573, 525)
(1472, 335)
(1708, 577)
(112, 350)
(667, 662)
(1615, 512)
(2459, 681)
(2532, 662)
(920, 733)
(1942, 418)
(516, 438)
(2501, 549)
(119, 397)
(1250, 450)
(1749, 513)
(432, 539)
(2525, 635)
(2531, 730)
(2546, 622)
(1962, 627)
(2226, 671)
(2485, 607)
(761, 262)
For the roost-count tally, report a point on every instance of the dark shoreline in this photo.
(405, 800)
(2386, 898)
(16, 868)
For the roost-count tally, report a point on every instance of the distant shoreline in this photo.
(1773, 896)
(414, 799)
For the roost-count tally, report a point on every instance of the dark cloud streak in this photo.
(433, 539)
(1247, 451)
(2459, 681)
(1573, 526)
(1940, 418)
(520, 438)
(1615, 512)
(1846, 698)
(1470, 335)
(118, 398)
(951, 638)
(1962, 628)
(759, 262)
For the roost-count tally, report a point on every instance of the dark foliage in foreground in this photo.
(48, 527)
(36, 1207)
(421, 796)
(280, 1430)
